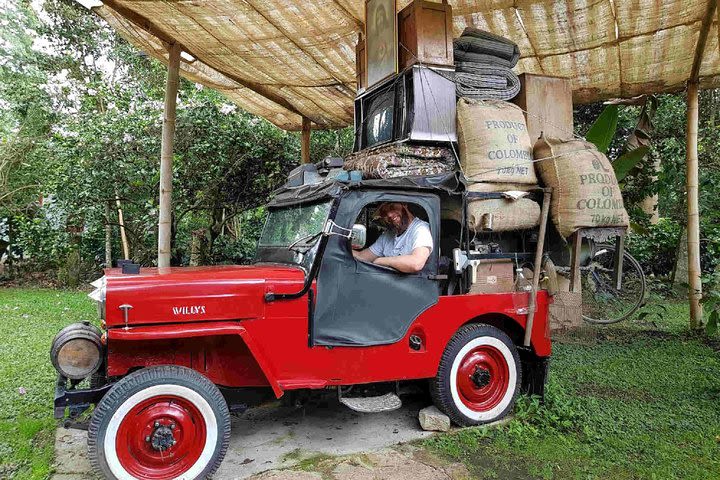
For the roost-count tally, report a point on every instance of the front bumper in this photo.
(75, 399)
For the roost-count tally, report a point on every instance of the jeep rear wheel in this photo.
(157, 423)
(479, 376)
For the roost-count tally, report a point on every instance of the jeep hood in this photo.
(194, 294)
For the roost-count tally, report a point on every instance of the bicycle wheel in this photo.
(602, 302)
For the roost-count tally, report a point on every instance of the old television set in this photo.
(418, 104)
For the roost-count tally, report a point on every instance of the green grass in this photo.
(29, 319)
(640, 401)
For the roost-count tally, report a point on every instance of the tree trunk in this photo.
(305, 144)
(198, 248)
(108, 235)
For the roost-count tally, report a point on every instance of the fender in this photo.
(189, 330)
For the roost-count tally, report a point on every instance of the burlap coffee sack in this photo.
(494, 143)
(500, 187)
(507, 215)
(585, 189)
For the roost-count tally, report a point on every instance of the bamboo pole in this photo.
(693, 220)
(691, 165)
(305, 143)
(166, 157)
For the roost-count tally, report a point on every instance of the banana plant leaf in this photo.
(626, 162)
(603, 129)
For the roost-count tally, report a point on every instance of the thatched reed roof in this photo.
(291, 58)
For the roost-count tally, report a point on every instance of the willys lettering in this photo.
(189, 310)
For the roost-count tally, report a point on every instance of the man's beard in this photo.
(404, 223)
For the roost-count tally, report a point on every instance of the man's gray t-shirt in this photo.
(417, 235)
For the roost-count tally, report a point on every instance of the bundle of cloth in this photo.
(401, 160)
(483, 65)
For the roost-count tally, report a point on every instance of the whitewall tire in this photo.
(478, 379)
(160, 423)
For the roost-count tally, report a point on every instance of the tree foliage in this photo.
(80, 123)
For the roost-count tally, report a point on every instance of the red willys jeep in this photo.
(180, 348)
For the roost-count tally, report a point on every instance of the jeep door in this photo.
(360, 303)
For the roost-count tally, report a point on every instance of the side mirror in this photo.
(358, 236)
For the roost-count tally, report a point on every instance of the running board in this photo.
(383, 403)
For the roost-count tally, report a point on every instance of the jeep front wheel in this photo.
(478, 378)
(157, 423)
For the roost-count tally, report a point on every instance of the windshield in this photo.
(286, 226)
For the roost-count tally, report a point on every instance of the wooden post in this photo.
(532, 302)
(693, 220)
(123, 235)
(305, 144)
(575, 282)
(618, 261)
(166, 157)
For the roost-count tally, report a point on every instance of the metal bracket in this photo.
(332, 228)
(126, 309)
(461, 261)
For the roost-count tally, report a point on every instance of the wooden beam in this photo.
(305, 143)
(618, 261)
(358, 23)
(576, 250)
(155, 31)
(693, 218)
(702, 40)
(166, 157)
(532, 302)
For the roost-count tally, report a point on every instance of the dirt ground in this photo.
(324, 440)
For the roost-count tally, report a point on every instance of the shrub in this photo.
(656, 247)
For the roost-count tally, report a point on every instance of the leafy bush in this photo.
(711, 302)
(656, 247)
(240, 247)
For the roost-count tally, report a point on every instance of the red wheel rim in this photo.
(483, 378)
(159, 421)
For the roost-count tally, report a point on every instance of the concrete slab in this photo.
(274, 437)
(71, 461)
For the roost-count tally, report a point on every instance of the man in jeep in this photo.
(405, 245)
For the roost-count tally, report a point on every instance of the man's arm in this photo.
(411, 263)
(365, 255)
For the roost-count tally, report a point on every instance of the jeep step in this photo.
(382, 403)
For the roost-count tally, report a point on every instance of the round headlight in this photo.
(76, 351)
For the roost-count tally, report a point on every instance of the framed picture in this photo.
(381, 37)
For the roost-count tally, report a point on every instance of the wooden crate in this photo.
(360, 70)
(547, 103)
(494, 276)
(425, 34)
